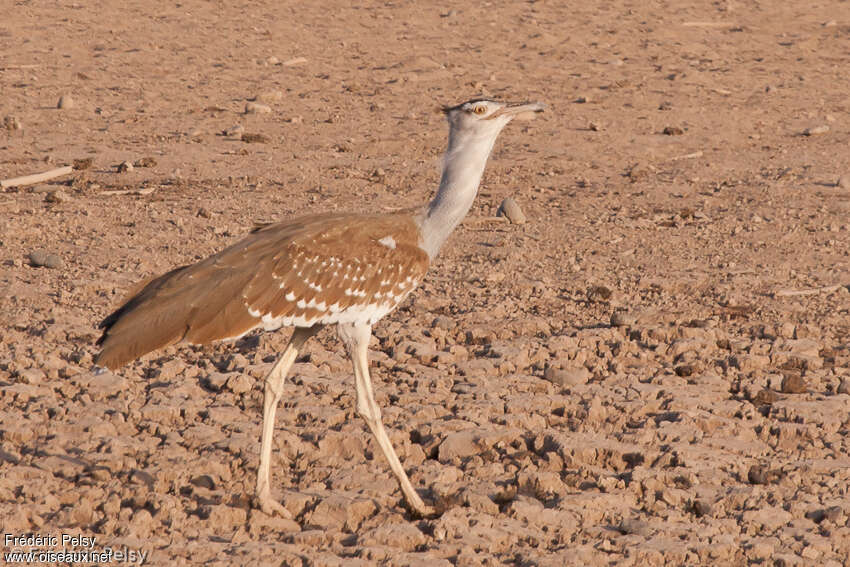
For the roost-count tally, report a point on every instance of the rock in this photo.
(57, 196)
(255, 138)
(84, 163)
(339, 511)
(629, 526)
(239, 383)
(11, 123)
(39, 258)
(844, 386)
(843, 181)
(816, 130)
(749, 362)
(599, 293)
(444, 323)
(511, 210)
(701, 508)
(125, 167)
(215, 381)
(769, 517)
(622, 318)
(142, 523)
(567, 377)
(235, 131)
(145, 162)
(257, 108)
(405, 536)
(765, 397)
(793, 384)
(102, 384)
(639, 172)
(65, 102)
(31, 376)
(228, 516)
(758, 474)
(459, 445)
(269, 96)
(54, 261)
(203, 481)
(672, 131)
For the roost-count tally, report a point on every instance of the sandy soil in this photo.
(652, 370)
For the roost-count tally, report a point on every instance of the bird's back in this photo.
(317, 269)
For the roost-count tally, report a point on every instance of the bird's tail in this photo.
(179, 306)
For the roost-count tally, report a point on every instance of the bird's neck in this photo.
(463, 166)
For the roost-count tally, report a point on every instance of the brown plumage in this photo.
(348, 270)
(318, 269)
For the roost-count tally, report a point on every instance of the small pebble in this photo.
(11, 123)
(634, 526)
(57, 196)
(254, 138)
(83, 163)
(444, 323)
(701, 508)
(567, 377)
(235, 131)
(54, 261)
(125, 166)
(765, 397)
(269, 96)
(757, 475)
(145, 162)
(843, 181)
(622, 319)
(583, 99)
(257, 108)
(685, 370)
(599, 293)
(817, 130)
(65, 102)
(638, 172)
(672, 131)
(215, 381)
(39, 258)
(510, 209)
(793, 384)
(239, 383)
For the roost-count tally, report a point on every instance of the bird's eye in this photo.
(479, 109)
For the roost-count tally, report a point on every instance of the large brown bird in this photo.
(343, 269)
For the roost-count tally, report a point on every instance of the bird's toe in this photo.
(272, 507)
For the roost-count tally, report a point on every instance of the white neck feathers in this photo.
(463, 166)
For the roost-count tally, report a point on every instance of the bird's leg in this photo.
(356, 339)
(273, 391)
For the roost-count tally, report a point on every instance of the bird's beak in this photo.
(521, 111)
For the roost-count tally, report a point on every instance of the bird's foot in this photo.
(271, 507)
(426, 511)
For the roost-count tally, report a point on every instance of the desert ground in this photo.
(651, 370)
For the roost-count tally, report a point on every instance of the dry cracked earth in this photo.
(651, 370)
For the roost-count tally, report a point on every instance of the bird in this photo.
(311, 271)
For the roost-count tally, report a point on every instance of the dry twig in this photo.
(145, 191)
(36, 177)
(800, 292)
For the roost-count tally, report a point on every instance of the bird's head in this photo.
(487, 117)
